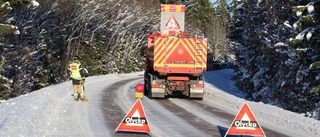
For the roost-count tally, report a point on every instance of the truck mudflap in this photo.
(157, 93)
(197, 91)
(157, 89)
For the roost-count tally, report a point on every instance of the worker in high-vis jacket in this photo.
(77, 74)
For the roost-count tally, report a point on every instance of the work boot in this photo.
(76, 97)
(83, 96)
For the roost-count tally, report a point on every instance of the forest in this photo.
(274, 43)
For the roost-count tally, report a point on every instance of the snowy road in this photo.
(52, 112)
(171, 117)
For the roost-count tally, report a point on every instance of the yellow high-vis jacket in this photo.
(76, 70)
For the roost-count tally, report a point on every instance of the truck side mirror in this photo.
(143, 51)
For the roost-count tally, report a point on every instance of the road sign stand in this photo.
(132, 133)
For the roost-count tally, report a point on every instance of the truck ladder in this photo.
(165, 53)
(198, 52)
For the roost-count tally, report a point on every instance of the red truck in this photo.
(175, 61)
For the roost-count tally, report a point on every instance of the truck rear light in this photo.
(199, 85)
(156, 85)
(177, 78)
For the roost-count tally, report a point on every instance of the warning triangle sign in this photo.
(135, 120)
(172, 23)
(245, 123)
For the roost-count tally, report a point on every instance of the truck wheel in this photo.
(188, 96)
(150, 94)
(145, 91)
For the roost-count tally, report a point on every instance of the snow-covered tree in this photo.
(198, 14)
(306, 45)
(246, 38)
(269, 68)
(52, 33)
(7, 30)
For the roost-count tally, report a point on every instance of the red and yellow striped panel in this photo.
(179, 53)
(173, 8)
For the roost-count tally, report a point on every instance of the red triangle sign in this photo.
(245, 123)
(135, 120)
(172, 23)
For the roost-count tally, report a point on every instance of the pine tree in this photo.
(246, 41)
(270, 69)
(199, 13)
(4, 83)
(306, 45)
(6, 30)
(4, 10)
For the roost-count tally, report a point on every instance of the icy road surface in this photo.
(52, 112)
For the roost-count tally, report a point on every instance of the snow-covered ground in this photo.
(51, 111)
(224, 92)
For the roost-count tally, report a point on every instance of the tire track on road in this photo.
(192, 119)
(111, 110)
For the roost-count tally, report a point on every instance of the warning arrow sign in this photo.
(135, 120)
(245, 123)
(172, 23)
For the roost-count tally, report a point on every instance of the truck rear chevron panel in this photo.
(158, 48)
(173, 44)
(162, 48)
(189, 48)
(179, 52)
(165, 49)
